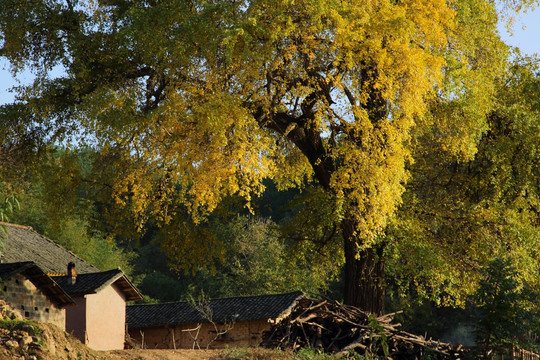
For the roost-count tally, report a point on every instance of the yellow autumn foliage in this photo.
(197, 101)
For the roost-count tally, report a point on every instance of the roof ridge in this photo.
(18, 262)
(299, 292)
(111, 280)
(92, 273)
(53, 274)
(161, 303)
(105, 271)
(26, 227)
(253, 296)
(16, 225)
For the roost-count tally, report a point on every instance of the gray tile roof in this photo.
(92, 283)
(24, 244)
(39, 278)
(228, 309)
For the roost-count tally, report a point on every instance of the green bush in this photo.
(30, 327)
(507, 308)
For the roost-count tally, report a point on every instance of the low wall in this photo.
(187, 336)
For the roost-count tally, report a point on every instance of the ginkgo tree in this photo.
(209, 98)
(460, 215)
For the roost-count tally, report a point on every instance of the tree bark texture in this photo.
(364, 273)
(364, 270)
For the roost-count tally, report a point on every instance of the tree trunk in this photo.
(364, 273)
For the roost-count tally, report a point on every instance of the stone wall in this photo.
(242, 333)
(30, 302)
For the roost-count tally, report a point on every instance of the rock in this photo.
(31, 357)
(50, 344)
(20, 333)
(25, 341)
(11, 344)
(13, 315)
(28, 328)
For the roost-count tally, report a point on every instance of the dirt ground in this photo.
(164, 354)
(52, 343)
(56, 344)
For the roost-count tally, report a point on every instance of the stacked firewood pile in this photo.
(337, 328)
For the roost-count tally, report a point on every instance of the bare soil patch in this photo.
(29, 340)
(148, 354)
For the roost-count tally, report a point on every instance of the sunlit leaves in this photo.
(192, 89)
(458, 215)
(193, 102)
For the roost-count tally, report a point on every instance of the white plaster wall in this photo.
(106, 319)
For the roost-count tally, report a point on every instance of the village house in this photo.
(91, 304)
(99, 317)
(33, 293)
(96, 313)
(236, 321)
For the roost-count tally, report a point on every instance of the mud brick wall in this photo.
(30, 302)
(242, 333)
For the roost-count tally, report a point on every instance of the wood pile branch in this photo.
(340, 329)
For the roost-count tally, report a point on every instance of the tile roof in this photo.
(24, 244)
(39, 278)
(92, 283)
(236, 308)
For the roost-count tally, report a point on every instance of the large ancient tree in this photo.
(211, 97)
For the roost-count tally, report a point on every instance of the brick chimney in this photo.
(71, 272)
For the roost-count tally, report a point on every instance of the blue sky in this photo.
(526, 33)
(526, 36)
